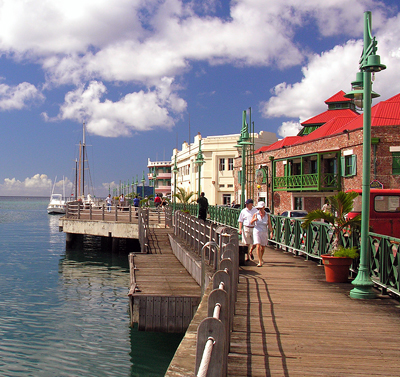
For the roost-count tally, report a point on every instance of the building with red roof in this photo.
(298, 172)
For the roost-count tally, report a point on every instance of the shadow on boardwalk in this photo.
(290, 322)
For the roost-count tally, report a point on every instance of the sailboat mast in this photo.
(76, 179)
(80, 159)
(83, 160)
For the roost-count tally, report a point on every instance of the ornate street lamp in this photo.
(243, 143)
(369, 62)
(154, 178)
(136, 185)
(143, 182)
(199, 162)
(175, 171)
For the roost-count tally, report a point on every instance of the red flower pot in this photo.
(336, 268)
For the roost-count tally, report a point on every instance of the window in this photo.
(396, 163)
(221, 164)
(221, 186)
(226, 199)
(349, 165)
(386, 203)
(230, 186)
(230, 163)
(313, 167)
(298, 202)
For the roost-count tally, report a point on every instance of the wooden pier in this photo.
(290, 322)
(163, 295)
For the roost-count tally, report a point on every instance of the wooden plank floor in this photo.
(160, 272)
(290, 322)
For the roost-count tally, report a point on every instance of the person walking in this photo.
(121, 202)
(203, 206)
(262, 224)
(109, 203)
(246, 229)
(157, 201)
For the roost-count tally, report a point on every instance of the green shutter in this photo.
(353, 164)
(396, 163)
(343, 166)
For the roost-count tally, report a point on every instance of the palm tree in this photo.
(183, 196)
(341, 205)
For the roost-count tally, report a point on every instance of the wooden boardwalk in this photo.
(165, 296)
(289, 322)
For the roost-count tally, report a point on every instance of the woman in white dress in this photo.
(262, 224)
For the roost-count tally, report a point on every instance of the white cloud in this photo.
(18, 97)
(145, 41)
(289, 129)
(333, 70)
(139, 111)
(325, 75)
(37, 185)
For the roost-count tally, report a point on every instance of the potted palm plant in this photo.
(184, 197)
(337, 263)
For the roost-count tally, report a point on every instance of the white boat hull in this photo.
(55, 210)
(57, 205)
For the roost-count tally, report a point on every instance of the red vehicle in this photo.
(384, 211)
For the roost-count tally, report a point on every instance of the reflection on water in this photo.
(66, 313)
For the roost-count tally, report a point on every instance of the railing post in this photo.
(102, 212)
(210, 333)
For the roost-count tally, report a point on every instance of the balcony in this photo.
(307, 182)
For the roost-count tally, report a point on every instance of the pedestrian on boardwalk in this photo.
(262, 224)
(203, 206)
(109, 203)
(121, 202)
(157, 201)
(246, 229)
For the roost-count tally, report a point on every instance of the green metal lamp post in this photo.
(243, 142)
(175, 171)
(199, 162)
(136, 185)
(143, 182)
(154, 178)
(369, 62)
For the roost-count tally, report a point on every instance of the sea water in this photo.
(66, 313)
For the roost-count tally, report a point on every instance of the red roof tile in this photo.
(326, 116)
(329, 128)
(385, 113)
(287, 141)
(338, 97)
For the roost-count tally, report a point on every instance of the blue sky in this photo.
(133, 71)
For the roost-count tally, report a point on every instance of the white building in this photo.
(216, 179)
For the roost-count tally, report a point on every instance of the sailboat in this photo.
(57, 202)
(80, 174)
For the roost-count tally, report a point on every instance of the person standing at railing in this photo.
(109, 203)
(203, 206)
(246, 229)
(262, 224)
(121, 202)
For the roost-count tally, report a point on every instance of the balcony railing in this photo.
(307, 182)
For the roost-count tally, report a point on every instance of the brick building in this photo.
(298, 172)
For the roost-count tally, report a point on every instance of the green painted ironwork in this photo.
(317, 239)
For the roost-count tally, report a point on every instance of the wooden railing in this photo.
(213, 333)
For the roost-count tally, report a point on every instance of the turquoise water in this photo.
(66, 313)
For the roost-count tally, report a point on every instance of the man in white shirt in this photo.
(245, 228)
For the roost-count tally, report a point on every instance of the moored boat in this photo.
(57, 205)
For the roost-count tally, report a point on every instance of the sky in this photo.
(146, 75)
